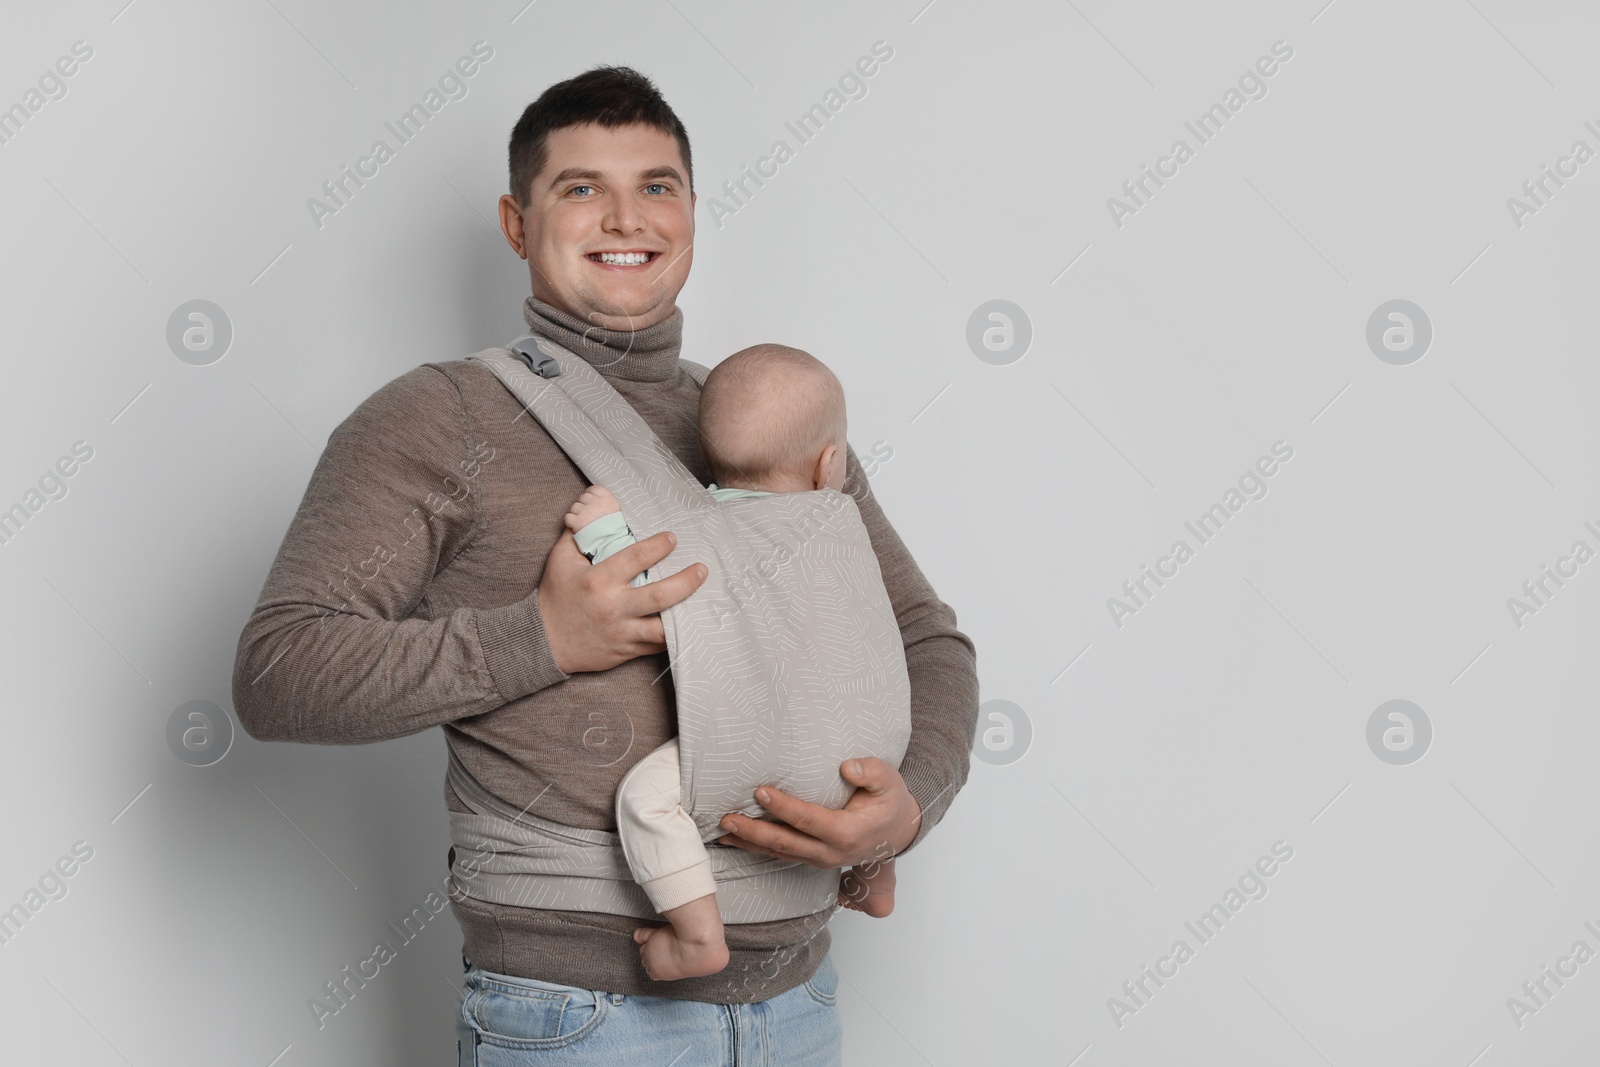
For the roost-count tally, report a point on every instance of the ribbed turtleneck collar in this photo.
(647, 355)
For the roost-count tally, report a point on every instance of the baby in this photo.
(772, 420)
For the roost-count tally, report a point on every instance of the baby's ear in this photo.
(822, 472)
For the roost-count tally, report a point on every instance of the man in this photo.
(428, 580)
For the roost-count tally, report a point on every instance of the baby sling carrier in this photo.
(786, 661)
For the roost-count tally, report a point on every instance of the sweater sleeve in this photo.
(940, 659)
(331, 653)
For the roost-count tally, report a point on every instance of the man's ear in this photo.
(511, 224)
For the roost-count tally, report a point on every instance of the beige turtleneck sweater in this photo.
(405, 596)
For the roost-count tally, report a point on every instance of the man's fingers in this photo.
(661, 595)
(664, 592)
(802, 815)
(644, 555)
(651, 632)
(744, 843)
(637, 557)
(648, 552)
(776, 840)
(875, 775)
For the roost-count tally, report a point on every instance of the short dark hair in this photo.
(609, 96)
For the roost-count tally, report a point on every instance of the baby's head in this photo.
(772, 417)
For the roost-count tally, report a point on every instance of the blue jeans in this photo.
(504, 1021)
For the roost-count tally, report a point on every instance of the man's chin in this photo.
(624, 315)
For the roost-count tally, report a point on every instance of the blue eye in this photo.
(657, 185)
(575, 188)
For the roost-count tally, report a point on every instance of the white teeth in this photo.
(625, 259)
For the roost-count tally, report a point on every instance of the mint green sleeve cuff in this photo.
(604, 537)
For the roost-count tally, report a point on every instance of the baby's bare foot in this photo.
(596, 502)
(869, 888)
(666, 956)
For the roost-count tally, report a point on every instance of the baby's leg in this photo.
(869, 887)
(691, 945)
(669, 861)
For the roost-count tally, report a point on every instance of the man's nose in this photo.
(624, 215)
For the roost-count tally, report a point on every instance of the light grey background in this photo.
(1166, 755)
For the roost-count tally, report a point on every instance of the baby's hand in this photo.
(595, 503)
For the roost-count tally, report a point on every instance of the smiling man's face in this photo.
(608, 232)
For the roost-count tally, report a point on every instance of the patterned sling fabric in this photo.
(786, 661)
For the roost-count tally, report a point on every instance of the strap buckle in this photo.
(538, 361)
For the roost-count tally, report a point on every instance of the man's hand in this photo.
(593, 618)
(878, 821)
